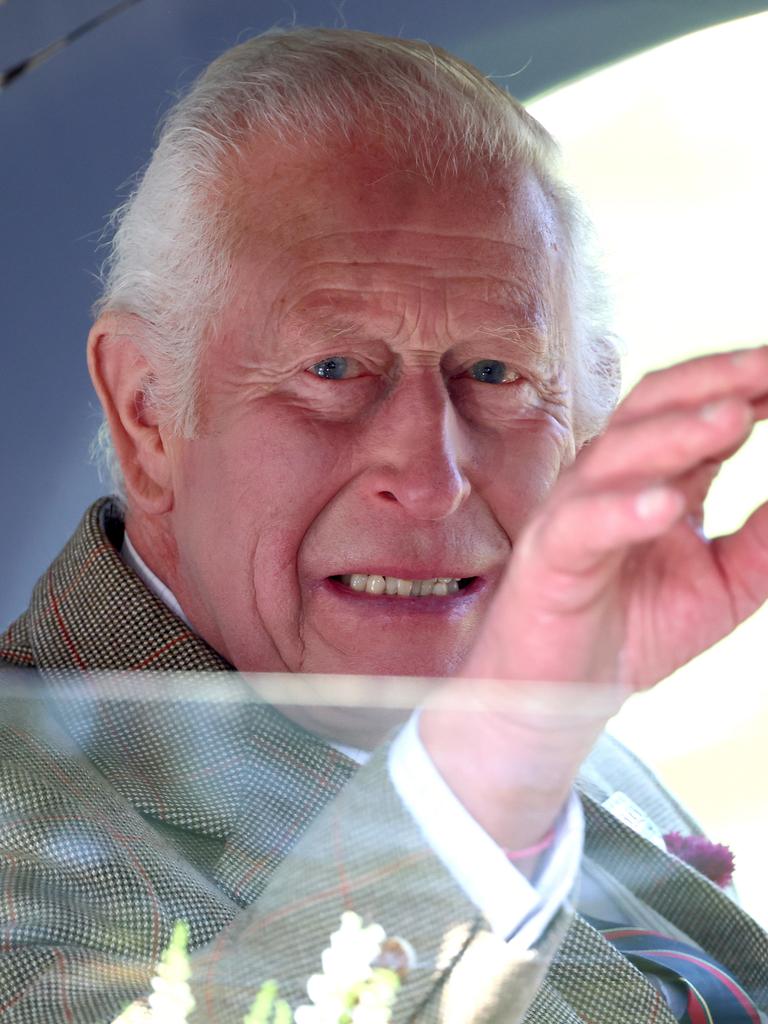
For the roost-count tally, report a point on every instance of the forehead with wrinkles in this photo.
(297, 216)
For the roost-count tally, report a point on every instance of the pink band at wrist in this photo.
(531, 851)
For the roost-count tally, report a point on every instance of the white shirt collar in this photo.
(134, 561)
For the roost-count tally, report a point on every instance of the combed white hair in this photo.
(170, 257)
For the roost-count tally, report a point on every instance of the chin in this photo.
(358, 698)
(419, 662)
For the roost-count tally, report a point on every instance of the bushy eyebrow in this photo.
(330, 324)
(511, 315)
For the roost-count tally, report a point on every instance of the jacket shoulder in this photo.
(15, 647)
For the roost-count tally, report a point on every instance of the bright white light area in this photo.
(670, 151)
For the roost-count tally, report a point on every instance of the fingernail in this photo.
(650, 504)
(711, 411)
(745, 355)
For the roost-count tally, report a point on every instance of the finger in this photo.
(743, 560)
(694, 486)
(743, 373)
(569, 549)
(760, 409)
(667, 444)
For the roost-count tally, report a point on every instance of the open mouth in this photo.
(394, 586)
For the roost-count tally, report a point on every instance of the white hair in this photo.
(169, 262)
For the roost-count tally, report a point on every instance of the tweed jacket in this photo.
(130, 799)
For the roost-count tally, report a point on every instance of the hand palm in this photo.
(678, 600)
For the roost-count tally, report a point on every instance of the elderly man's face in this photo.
(385, 401)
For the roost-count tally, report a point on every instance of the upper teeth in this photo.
(439, 586)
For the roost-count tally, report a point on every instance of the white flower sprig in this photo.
(351, 989)
(171, 999)
(362, 974)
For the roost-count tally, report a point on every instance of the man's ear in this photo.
(120, 375)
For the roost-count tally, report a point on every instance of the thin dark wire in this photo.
(34, 60)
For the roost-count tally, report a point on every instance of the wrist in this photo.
(513, 774)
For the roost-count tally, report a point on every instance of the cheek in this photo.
(247, 498)
(287, 462)
(267, 476)
(529, 461)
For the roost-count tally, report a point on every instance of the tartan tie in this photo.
(714, 996)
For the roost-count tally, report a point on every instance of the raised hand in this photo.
(610, 587)
(613, 579)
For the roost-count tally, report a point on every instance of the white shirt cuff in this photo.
(516, 909)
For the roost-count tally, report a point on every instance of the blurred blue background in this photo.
(73, 131)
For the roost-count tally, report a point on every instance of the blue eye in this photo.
(333, 368)
(489, 371)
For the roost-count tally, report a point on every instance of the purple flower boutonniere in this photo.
(714, 860)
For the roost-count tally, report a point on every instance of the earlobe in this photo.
(121, 376)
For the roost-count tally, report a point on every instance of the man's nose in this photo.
(420, 449)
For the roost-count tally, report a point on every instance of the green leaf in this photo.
(262, 1006)
(283, 1013)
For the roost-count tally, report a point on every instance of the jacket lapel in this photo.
(682, 895)
(588, 980)
(287, 779)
